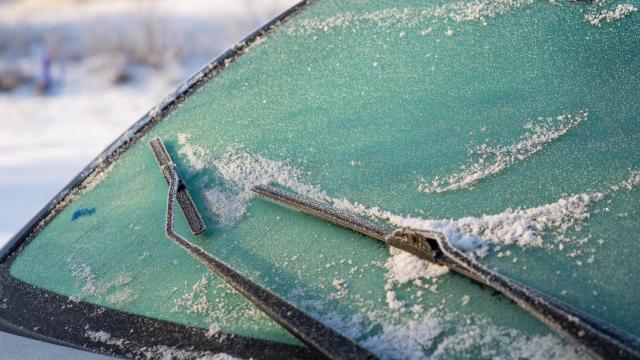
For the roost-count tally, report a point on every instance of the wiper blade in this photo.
(191, 213)
(310, 331)
(597, 337)
(322, 211)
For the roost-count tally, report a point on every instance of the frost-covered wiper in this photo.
(597, 337)
(310, 331)
(191, 213)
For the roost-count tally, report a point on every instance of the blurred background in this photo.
(75, 74)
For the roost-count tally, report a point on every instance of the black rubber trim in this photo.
(39, 314)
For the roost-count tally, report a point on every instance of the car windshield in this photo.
(509, 126)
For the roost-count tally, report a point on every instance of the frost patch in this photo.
(196, 301)
(619, 12)
(226, 206)
(239, 171)
(95, 286)
(341, 288)
(491, 340)
(122, 297)
(387, 19)
(393, 302)
(196, 155)
(210, 302)
(632, 181)
(105, 338)
(213, 330)
(167, 352)
(242, 170)
(523, 227)
(486, 161)
(403, 267)
(406, 341)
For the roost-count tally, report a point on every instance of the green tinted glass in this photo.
(512, 126)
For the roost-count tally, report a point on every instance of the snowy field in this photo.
(75, 75)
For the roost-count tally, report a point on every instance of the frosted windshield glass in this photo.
(513, 127)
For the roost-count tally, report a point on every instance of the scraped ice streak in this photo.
(386, 19)
(619, 12)
(486, 161)
(522, 227)
(240, 171)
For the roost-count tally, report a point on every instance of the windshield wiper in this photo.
(191, 213)
(310, 331)
(599, 338)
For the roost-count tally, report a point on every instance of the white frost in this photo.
(239, 171)
(406, 341)
(196, 155)
(632, 181)
(393, 302)
(486, 161)
(615, 14)
(460, 12)
(523, 227)
(225, 205)
(491, 339)
(93, 285)
(404, 267)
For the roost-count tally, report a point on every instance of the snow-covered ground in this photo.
(110, 62)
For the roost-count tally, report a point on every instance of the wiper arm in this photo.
(310, 331)
(191, 213)
(599, 338)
